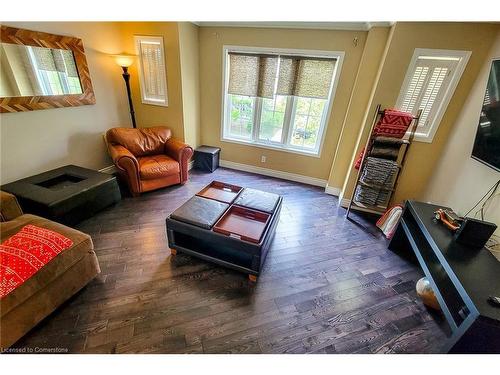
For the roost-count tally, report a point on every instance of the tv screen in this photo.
(487, 143)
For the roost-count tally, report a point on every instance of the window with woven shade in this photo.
(152, 70)
(430, 82)
(278, 98)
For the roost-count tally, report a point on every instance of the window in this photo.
(152, 72)
(429, 84)
(278, 98)
(53, 71)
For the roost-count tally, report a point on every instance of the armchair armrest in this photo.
(9, 207)
(181, 152)
(127, 164)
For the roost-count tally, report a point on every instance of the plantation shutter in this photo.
(305, 76)
(153, 71)
(426, 87)
(252, 75)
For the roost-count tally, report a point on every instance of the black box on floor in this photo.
(206, 158)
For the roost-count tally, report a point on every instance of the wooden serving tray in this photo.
(243, 223)
(220, 191)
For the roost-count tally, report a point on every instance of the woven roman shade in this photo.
(255, 75)
(64, 62)
(252, 75)
(44, 58)
(305, 76)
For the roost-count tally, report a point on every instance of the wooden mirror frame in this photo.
(13, 35)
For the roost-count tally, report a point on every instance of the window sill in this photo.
(314, 154)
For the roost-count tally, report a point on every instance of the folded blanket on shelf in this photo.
(393, 123)
(371, 196)
(386, 147)
(379, 171)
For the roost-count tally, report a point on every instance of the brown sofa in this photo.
(58, 280)
(148, 158)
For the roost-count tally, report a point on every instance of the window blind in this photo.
(64, 62)
(44, 58)
(425, 86)
(305, 76)
(252, 75)
(267, 75)
(153, 67)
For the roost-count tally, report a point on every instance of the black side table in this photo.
(206, 158)
(67, 195)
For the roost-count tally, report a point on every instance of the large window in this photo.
(278, 99)
(429, 84)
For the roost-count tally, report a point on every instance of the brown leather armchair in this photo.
(148, 158)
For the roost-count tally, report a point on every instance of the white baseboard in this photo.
(110, 169)
(274, 173)
(332, 190)
(344, 202)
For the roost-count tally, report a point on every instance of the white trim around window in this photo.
(454, 62)
(284, 145)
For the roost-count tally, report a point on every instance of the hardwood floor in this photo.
(327, 286)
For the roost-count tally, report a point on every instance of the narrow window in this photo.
(152, 71)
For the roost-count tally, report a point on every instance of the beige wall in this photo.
(212, 40)
(405, 38)
(360, 96)
(32, 142)
(458, 181)
(190, 75)
(147, 114)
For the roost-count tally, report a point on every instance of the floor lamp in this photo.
(125, 61)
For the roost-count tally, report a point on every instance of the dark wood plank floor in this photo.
(327, 286)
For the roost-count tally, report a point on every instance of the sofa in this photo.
(148, 158)
(49, 287)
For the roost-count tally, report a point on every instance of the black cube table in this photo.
(234, 230)
(67, 194)
(206, 158)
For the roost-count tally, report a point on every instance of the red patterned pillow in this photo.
(25, 253)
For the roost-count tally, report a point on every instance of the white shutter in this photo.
(152, 70)
(428, 87)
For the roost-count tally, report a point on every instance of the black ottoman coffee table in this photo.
(228, 225)
(67, 195)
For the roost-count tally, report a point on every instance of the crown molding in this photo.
(351, 26)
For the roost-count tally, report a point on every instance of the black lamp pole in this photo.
(126, 77)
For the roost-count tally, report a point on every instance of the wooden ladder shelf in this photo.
(401, 158)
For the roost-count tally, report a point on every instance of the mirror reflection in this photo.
(37, 71)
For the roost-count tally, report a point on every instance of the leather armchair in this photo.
(148, 158)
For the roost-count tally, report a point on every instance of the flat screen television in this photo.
(487, 143)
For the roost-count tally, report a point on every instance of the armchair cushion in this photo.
(157, 166)
(141, 141)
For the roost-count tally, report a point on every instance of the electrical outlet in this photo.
(263, 159)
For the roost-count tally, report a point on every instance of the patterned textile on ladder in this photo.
(378, 176)
(393, 123)
(25, 253)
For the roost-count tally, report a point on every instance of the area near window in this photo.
(152, 72)
(278, 98)
(431, 80)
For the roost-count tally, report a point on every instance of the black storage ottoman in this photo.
(206, 158)
(192, 229)
(67, 195)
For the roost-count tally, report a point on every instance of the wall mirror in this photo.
(40, 71)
